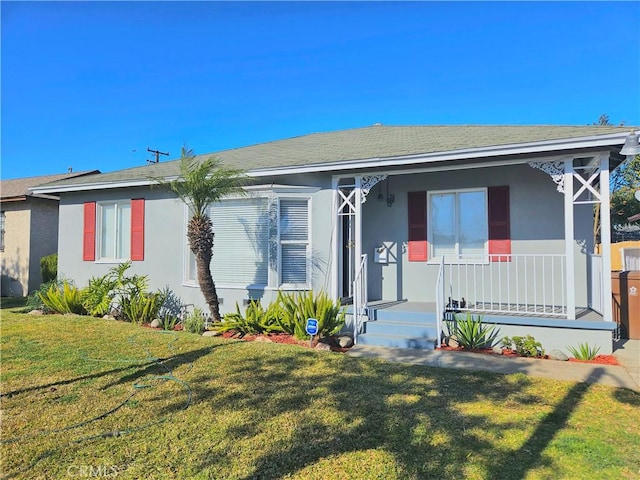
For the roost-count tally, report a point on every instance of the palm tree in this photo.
(199, 184)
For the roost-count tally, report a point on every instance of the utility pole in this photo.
(157, 153)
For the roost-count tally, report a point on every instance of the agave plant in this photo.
(584, 351)
(296, 308)
(472, 333)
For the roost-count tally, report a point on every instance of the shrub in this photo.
(294, 309)
(524, 346)
(168, 322)
(63, 298)
(584, 351)
(129, 294)
(34, 301)
(98, 295)
(256, 320)
(471, 333)
(49, 268)
(141, 307)
(194, 321)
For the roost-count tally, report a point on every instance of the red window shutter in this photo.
(137, 229)
(418, 246)
(499, 223)
(89, 232)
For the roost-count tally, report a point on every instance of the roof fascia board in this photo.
(279, 188)
(92, 186)
(17, 198)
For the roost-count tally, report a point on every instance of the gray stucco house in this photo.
(407, 223)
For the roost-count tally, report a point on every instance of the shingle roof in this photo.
(363, 143)
(19, 187)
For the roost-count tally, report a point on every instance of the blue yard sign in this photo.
(312, 326)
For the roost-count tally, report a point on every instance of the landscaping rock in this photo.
(36, 312)
(453, 342)
(155, 323)
(345, 341)
(211, 333)
(322, 346)
(497, 350)
(263, 339)
(558, 355)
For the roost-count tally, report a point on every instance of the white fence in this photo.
(529, 284)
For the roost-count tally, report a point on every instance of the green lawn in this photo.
(83, 396)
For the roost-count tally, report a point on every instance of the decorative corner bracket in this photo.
(368, 183)
(554, 169)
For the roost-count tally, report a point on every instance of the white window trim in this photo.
(98, 229)
(274, 277)
(482, 259)
(309, 250)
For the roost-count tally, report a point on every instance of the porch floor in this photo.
(585, 317)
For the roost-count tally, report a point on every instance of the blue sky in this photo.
(91, 85)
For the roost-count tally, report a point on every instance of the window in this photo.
(258, 241)
(294, 241)
(2, 220)
(458, 223)
(115, 230)
(241, 242)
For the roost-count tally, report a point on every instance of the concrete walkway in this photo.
(627, 376)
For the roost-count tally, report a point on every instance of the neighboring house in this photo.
(405, 222)
(29, 231)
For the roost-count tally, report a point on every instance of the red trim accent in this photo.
(137, 229)
(499, 223)
(89, 232)
(417, 211)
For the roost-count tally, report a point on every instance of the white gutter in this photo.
(611, 139)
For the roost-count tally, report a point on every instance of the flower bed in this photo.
(506, 352)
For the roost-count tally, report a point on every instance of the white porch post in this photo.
(358, 219)
(605, 238)
(335, 235)
(569, 238)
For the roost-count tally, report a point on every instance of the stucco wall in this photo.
(536, 219)
(165, 242)
(15, 257)
(537, 226)
(43, 238)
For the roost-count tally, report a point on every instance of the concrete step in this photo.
(404, 317)
(397, 341)
(406, 329)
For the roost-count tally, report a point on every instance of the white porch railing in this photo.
(529, 284)
(360, 299)
(596, 295)
(440, 303)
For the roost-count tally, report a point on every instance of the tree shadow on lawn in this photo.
(415, 413)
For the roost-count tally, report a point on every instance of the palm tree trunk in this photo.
(208, 287)
(200, 235)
